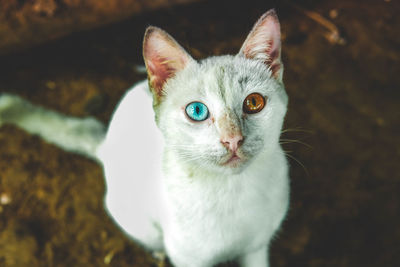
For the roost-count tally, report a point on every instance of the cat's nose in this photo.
(232, 142)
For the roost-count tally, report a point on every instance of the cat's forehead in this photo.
(231, 76)
(229, 71)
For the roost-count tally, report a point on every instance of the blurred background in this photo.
(342, 76)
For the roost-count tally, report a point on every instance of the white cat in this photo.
(196, 170)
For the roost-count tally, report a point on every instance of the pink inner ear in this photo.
(163, 57)
(274, 60)
(159, 72)
(264, 42)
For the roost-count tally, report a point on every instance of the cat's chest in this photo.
(224, 211)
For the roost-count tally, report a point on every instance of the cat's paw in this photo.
(6, 102)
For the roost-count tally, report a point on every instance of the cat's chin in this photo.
(234, 163)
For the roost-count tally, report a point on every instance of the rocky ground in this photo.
(342, 77)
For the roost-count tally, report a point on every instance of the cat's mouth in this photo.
(234, 160)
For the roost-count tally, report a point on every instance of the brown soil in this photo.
(344, 103)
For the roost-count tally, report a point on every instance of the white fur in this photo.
(131, 156)
(200, 213)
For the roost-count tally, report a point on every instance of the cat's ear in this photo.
(264, 43)
(163, 57)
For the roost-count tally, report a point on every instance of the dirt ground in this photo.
(344, 104)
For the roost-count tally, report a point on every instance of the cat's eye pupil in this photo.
(253, 103)
(197, 111)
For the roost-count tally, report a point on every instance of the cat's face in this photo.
(222, 112)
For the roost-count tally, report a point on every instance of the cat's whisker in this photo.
(182, 145)
(288, 141)
(297, 130)
(187, 156)
(298, 162)
(185, 147)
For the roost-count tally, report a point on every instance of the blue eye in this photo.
(197, 111)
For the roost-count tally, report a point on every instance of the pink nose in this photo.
(232, 142)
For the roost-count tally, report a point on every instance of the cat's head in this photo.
(221, 112)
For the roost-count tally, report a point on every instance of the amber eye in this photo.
(253, 103)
